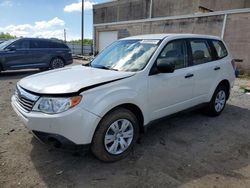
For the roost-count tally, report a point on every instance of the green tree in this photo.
(6, 36)
(85, 41)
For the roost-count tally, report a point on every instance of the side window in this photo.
(53, 45)
(176, 52)
(34, 44)
(44, 44)
(220, 49)
(40, 44)
(22, 44)
(200, 51)
(58, 45)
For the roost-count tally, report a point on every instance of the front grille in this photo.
(25, 99)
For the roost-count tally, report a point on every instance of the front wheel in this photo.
(56, 63)
(115, 136)
(218, 101)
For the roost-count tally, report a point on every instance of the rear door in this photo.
(40, 50)
(205, 66)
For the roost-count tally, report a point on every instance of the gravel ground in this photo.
(188, 150)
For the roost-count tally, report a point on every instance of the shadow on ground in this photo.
(172, 153)
(13, 75)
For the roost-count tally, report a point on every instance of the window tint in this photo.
(58, 45)
(22, 44)
(176, 52)
(39, 44)
(200, 51)
(220, 49)
(34, 44)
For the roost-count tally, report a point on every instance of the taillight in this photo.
(233, 64)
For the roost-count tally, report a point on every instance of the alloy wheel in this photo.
(57, 63)
(220, 101)
(119, 136)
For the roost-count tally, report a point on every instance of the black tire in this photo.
(211, 109)
(56, 63)
(98, 147)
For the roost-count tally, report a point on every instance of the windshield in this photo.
(126, 55)
(5, 44)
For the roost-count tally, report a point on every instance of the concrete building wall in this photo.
(237, 37)
(216, 5)
(204, 25)
(237, 30)
(163, 8)
(121, 11)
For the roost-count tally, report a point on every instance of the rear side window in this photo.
(39, 44)
(200, 51)
(220, 49)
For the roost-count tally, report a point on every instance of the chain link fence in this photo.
(76, 49)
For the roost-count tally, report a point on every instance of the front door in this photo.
(171, 92)
(18, 58)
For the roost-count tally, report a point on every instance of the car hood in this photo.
(70, 80)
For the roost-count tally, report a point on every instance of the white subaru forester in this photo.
(136, 80)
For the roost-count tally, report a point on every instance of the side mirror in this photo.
(165, 65)
(11, 48)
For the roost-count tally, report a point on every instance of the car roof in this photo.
(178, 35)
(41, 39)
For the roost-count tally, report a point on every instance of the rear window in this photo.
(220, 49)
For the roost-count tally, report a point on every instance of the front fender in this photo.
(101, 101)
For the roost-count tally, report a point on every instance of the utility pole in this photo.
(82, 26)
(65, 38)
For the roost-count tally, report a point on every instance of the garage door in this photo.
(106, 38)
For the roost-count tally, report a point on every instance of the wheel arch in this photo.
(226, 83)
(131, 107)
(136, 111)
(57, 56)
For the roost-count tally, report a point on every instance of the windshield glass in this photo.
(126, 55)
(5, 44)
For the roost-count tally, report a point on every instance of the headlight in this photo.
(54, 105)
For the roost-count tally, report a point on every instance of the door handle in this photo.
(217, 68)
(189, 75)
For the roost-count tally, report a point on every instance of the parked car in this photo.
(129, 85)
(26, 53)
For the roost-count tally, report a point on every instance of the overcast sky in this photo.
(46, 18)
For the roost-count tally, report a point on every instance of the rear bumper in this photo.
(69, 61)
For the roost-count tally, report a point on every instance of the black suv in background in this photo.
(26, 53)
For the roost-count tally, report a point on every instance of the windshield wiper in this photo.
(104, 67)
(87, 64)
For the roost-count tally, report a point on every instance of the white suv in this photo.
(136, 80)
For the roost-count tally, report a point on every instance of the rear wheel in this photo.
(218, 101)
(115, 136)
(56, 63)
